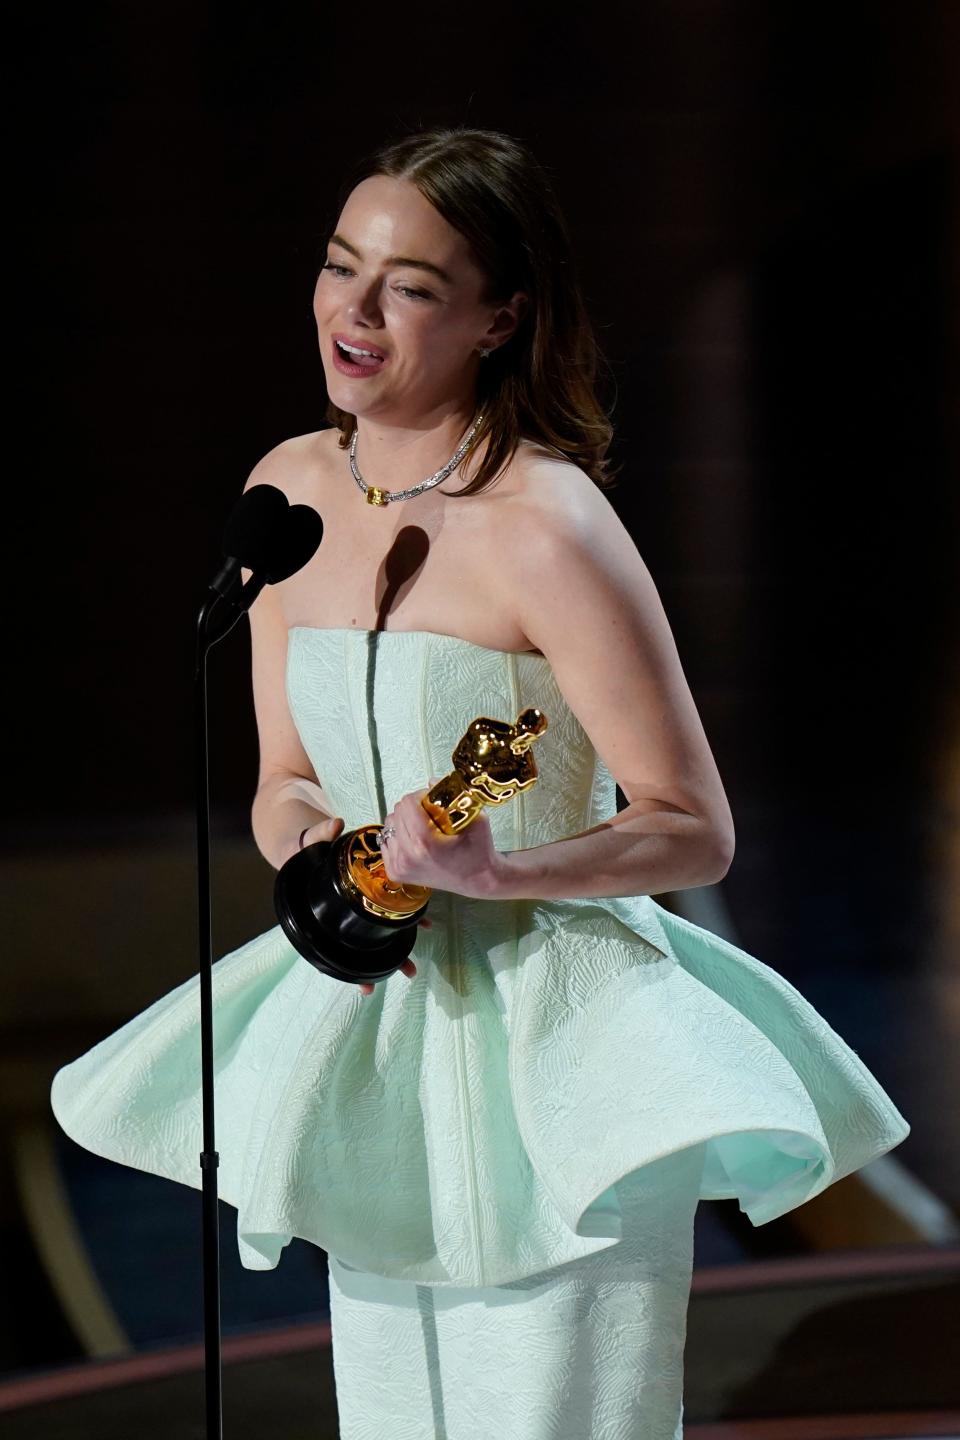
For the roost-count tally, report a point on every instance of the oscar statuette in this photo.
(334, 899)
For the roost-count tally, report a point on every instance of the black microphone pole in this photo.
(274, 539)
(217, 617)
(209, 1159)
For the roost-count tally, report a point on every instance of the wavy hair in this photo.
(541, 384)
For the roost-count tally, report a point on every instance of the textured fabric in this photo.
(469, 1127)
(592, 1350)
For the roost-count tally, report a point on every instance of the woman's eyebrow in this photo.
(396, 259)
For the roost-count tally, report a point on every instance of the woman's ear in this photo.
(508, 318)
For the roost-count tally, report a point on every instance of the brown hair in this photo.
(541, 383)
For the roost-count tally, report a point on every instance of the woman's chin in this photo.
(357, 397)
(346, 395)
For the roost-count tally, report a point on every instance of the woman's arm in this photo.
(585, 598)
(283, 807)
(289, 796)
(640, 851)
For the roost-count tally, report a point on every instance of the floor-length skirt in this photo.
(590, 1350)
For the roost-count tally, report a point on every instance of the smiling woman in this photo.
(502, 1145)
(492, 278)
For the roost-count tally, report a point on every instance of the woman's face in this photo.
(401, 281)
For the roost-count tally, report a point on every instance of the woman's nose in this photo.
(364, 303)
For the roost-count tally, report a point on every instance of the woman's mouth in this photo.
(348, 362)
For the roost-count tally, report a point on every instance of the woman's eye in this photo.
(403, 289)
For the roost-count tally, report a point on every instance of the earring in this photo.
(483, 353)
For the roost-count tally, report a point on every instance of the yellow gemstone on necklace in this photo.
(376, 496)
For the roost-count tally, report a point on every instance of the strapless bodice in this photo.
(379, 714)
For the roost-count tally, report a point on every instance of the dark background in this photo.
(764, 202)
(763, 198)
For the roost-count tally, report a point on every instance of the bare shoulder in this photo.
(295, 465)
(568, 552)
(560, 502)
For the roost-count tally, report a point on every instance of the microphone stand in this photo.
(212, 625)
(272, 539)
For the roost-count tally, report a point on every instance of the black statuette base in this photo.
(330, 928)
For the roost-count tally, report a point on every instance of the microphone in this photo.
(247, 534)
(273, 539)
(264, 533)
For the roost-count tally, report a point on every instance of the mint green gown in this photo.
(501, 1157)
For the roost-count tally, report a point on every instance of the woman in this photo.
(502, 1146)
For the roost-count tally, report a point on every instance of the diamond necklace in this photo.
(376, 496)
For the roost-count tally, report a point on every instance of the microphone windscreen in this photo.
(296, 542)
(258, 515)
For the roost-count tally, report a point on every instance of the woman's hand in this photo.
(420, 854)
(327, 829)
(407, 968)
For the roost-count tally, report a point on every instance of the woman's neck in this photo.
(397, 456)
